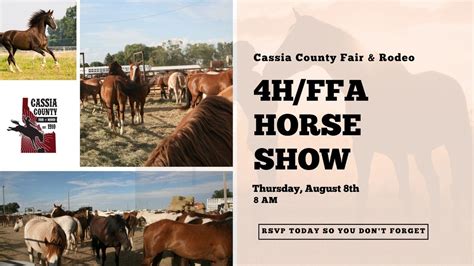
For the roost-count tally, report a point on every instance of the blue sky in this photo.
(108, 190)
(14, 14)
(108, 25)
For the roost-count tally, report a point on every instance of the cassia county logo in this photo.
(39, 120)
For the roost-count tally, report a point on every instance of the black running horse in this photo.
(34, 38)
(28, 131)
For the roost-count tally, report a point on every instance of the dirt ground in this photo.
(100, 146)
(12, 247)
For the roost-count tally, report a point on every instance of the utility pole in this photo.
(68, 202)
(3, 196)
(83, 64)
(225, 194)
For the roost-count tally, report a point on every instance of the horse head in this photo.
(18, 224)
(120, 229)
(56, 245)
(329, 40)
(116, 69)
(57, 211)
(135, 72)
(50, 20)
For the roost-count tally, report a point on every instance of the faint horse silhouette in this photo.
(28, 131)
(406, 113)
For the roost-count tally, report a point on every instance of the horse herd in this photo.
(188, 236)
(202, 138)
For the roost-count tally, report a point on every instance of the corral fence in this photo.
(213, 204)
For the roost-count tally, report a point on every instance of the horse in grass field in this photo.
(202, 138)
(34, 38)
(209, 242)
(45, 237)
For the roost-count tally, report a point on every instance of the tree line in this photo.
(171, 53)
(220, 194)
(65, 33)
(11, 207)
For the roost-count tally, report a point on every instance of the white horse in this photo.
(79, 229)
(70, 226)
(189, 219)
(177, 83)
(151, 217)
(104, 214)
(46, 237)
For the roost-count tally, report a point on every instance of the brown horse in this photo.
(131, 221)
(110, 231)
(34, 38)
(227, 93)
(211, 242)
(208, 84)
(84, 218)
(58, 211)
(137, 101)
(115, 90)
(90, 87)
(161, 80)
(216, 64)
(202, 138)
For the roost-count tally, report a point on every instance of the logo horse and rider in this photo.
(33, 138)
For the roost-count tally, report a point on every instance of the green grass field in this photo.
(30, 64)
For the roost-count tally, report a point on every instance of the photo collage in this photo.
(117, 127)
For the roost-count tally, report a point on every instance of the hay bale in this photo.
(181, 203)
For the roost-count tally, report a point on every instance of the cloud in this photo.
(101, 183)
(208, 187)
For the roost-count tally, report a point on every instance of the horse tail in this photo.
(188, 99)
(181, 81)
(94, 243)
(79, 231)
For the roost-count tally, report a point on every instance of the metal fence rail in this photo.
(54, 48)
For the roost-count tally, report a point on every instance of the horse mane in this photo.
(130, 88)
(57, 242)
(202, 138)
(116, 69)
(36, 18)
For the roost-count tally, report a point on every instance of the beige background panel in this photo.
(413, 160)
